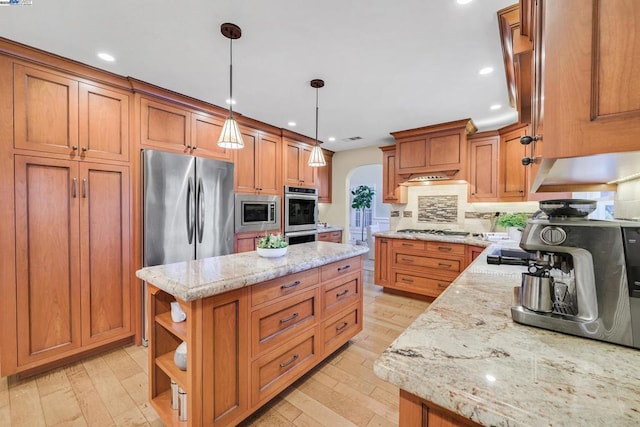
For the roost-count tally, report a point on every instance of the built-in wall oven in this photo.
(300, 214)
(256, 213)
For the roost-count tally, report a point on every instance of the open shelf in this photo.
(179, 329)
(162, 405)
(165, 362)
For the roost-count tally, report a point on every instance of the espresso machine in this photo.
(583, 278)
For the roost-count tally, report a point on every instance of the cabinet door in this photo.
(296, 168)
(225, 344)
(45, 111)
(245, 170)
(324, 179)
(164, 126)
(269, 164)
(392, 192)
(483, 169)
(104, 123)
(382, 265)
(105, 255)
(206, 130)
(513, 175)
(47, 258)
(308, 173)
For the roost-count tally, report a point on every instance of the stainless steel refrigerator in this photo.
(188, 207)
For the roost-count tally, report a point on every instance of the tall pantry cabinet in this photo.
(64, 145)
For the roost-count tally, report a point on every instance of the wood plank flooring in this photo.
(111, 389)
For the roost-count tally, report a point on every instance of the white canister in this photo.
(180, 356)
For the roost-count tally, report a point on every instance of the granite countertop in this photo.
(202, 278)
(466, 354)
(468, 240)
(329, 229)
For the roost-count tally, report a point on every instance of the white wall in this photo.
(627, 200)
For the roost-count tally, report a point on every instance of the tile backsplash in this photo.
(445, 206)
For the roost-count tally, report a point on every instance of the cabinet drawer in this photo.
(340, 268)
(341, 327)
(324, 237)
(273, 289)
(411, 282)
(339, 293)
(418, 245)
(445, 248)
(276, 323)
(407, 260)
(274, 371)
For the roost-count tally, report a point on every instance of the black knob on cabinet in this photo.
(528, 139)
(526, 161)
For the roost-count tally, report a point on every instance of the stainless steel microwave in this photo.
(256, 213)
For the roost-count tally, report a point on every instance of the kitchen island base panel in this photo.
(417, 412)
(225, 381)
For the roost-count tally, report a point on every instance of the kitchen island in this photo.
(466, 362)
(253, 326)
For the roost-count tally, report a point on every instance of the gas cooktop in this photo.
(436, 232)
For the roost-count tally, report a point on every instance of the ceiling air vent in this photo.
(353, 138)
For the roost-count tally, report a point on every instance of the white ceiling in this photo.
(388, 65)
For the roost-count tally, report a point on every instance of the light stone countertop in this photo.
(329, 229)
(468, 240)
(467, 355)
(202, 278)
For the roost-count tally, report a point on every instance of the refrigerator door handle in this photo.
(190, 211)
(201, 213)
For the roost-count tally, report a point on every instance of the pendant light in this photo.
(316, 159)
(230, 137)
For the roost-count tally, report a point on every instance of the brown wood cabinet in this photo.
(417, 412)
(72, 246)
(324, 178)
(169, 126)
(439, 150)
(259, 164)
(382, 265)
(246, 346)
(60, 114)
(483, 167)
(512, 181)
(472, 253)
(296, 152)
(330, 236)
(392, 191)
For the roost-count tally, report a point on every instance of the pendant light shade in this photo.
(316, 159)
(230, 137)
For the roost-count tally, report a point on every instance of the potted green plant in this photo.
(272, 246)
(362, 198)
(513, 223)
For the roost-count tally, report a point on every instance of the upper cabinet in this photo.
(259, 164)
(392, 191)
(296, 152)
(438, 151)
(483, 167)
(324, 178)
(62, 114)
(584, 107)
(512, 175)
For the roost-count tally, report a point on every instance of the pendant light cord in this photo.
(231, 77)
(316, 116)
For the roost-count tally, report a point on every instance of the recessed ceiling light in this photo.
(495, 107)
(292, 124)
(463, 1)
(230, 101)
(486, 70)
(331, 138)
(106, 57)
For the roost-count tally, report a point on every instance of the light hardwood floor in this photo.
(111, 389)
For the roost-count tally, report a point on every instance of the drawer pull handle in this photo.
(442, 285)
(341, 327)
(343, 293)
(408, 244)
(442, 264)
(289, 362)
(291, 285)
(404, 279)
(444, 248)
(346, 267)
(290, 318)
(407, 260)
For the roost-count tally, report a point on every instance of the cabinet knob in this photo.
(526, 161)
(194, 148)
(528, 139)
(74, 148)
(85, 149)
